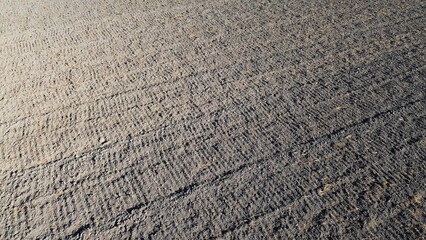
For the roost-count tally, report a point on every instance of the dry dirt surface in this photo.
(197, 119)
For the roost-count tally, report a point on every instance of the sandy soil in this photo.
(212, 119)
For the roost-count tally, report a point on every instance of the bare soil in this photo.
(230, 119)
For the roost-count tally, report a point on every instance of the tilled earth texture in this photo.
(229, 119)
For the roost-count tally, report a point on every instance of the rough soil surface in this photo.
(200, 119)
